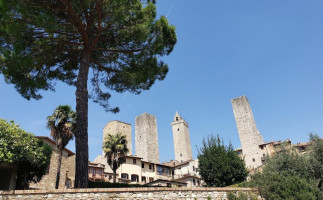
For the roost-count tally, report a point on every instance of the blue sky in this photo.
(270, 51)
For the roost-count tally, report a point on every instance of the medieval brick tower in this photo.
(114, 127)
(146, 138)
(250, 137)
(181, 136)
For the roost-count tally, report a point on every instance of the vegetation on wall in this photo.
(23, 149)
(219, 165)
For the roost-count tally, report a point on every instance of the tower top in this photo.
(177, 117)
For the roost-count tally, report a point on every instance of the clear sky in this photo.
(270, 51)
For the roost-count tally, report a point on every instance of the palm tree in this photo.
(61, 123)
(115, 148)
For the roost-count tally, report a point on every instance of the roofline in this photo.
(183, 163)
(70, 153)
(189, 177)
(116, 121)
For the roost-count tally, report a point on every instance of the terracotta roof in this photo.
(70, 153)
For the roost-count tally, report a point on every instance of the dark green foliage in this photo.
(290, 175)
(43, 41)
(23, 149)
(278, 186)
(219, 165)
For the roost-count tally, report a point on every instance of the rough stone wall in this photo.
(146, 138)
(114, 127)
(250, 137)
(181, 137)
(49, 180)
(127, 193)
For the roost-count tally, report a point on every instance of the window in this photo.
(169, 184)
(193, 181)
(134, 178)
(134, 161)
(159, 170)
(142, 165)
(167, 171)
(150, 167)
(194, 168)
(93, 171)
(178, 129)
(99, 172)
(125, 176)
(253, 160)
(143, 179)
(198, 182)
(151, 180)
(110, 177)
(180, 154)
(176, 118)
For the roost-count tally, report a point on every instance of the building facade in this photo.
(181, 137)
(249, 135)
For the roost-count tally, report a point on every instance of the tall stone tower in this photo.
(114, 127)
(181, 136)
(146, 138)
(250, 137)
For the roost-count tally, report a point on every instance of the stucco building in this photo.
(144, 167)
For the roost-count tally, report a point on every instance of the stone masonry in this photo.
(249, 135)
(114, 127)
(146, 138)
(181, 136)
(128, 193)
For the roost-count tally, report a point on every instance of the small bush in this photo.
(242, 196)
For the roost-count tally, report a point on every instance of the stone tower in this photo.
(114, 127)
(146, 138)
(181, 136)
(249, 135)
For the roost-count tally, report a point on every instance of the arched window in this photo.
(134, 178)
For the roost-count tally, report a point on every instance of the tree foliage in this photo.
(121, 41)
(23, 149)
(219, 165)
(290, 175)
(115, 148)
(61, 123)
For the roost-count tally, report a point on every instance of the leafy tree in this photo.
(219, 165)
(47, 40)
(23, 149)
(61, 123)
(316, 158)
(290, 175)
(115, 148)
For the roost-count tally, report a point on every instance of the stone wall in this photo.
(146, 138)
(49, 179)
(250, 137)
(126, 193)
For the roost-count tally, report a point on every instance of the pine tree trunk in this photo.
(59, 167)
(81, 130)
(114, 175)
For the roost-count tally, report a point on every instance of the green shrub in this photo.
(242, 196)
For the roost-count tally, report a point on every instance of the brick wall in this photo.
(126, 193)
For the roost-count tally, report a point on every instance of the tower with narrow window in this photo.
(114, 127)
(181, 136)
(146, 138)
(249, 135)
